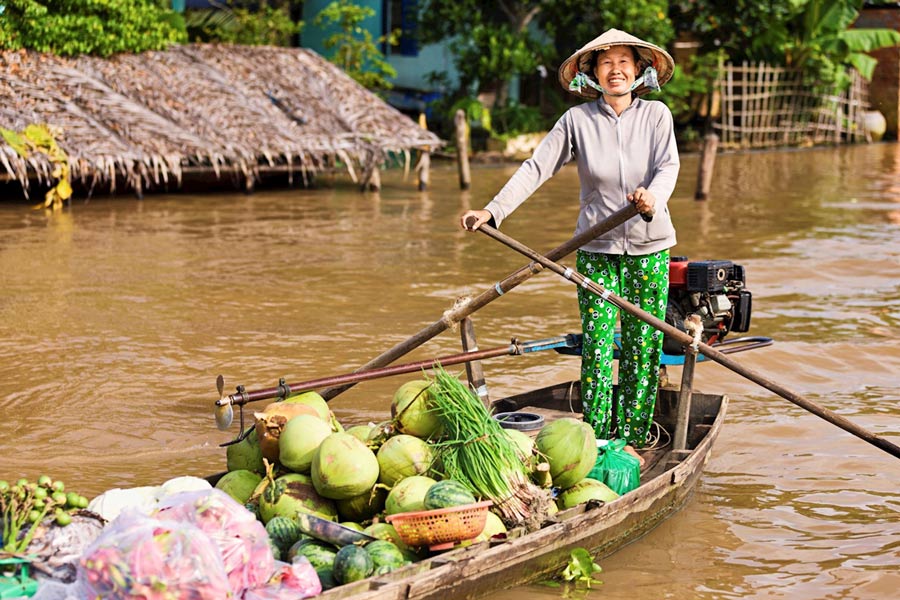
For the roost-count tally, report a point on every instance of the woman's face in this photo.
(615, 70)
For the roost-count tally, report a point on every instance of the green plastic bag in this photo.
(619, 470)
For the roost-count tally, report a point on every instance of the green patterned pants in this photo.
(643, 281)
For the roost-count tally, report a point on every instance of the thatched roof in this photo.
(148, 117)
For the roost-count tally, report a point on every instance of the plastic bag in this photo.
(293, 581)
(242, 540)
(619, 470)
(140, 557)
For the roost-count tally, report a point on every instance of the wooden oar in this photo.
(225, 414)
(458, 313)
(684, 338)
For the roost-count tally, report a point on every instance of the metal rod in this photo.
(706, 350)
(512, 280)
(512, 349)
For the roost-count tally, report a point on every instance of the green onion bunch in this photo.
(477, 452)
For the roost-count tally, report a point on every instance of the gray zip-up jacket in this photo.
(615, 155)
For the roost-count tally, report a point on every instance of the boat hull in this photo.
(601, 528)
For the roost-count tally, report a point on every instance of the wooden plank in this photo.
(474, 370)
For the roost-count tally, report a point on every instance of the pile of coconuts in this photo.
(299, 458)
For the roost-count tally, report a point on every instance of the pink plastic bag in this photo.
(290, 582)
(137, 557)
(241, 539)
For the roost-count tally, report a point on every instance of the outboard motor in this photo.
(715, 291)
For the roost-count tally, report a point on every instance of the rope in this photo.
(449, 317)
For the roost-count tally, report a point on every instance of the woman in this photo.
(624, 148)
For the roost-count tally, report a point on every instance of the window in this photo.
(404, 15)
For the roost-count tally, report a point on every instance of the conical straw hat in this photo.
(655, 56)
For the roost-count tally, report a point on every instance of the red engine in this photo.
(715, 291)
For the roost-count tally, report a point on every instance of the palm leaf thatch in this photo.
(146, 118)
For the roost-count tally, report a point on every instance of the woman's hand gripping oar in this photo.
(684, 338)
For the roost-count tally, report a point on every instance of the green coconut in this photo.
(299, 441)
(412, 410)
(291, 494)
(343, 467)
(584, 490)
(493, 525)
(403, 456)
(246, 455)
(314, 400)
(570, 448)
(523, 442)
(360, 432)
(408, 495)
(362, 507)
(239, 484)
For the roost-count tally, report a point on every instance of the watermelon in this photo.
(352, 563)
(284, 532)
(319, 554)
(447, 493)
(326, 577)
(385, 555)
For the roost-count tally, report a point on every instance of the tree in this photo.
(820, 40)
(812, 35)
(72, 27)
(573, 23)
(491, 42)
(263, 22)
(494, 41)
(355, 51)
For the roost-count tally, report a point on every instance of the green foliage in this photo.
(743, 29)
(241, 22)
(515, 119)
(99, 27)
(490, 42)
(812, 35)
(822, 43)
(491, 54)
(355, 51)
(573, 23)
(476, 112)
(41, 139)
(581, 568)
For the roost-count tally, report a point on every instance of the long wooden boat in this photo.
(474, 571)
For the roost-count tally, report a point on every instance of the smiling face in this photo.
(616, 69)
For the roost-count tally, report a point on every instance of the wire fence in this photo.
(764, 106)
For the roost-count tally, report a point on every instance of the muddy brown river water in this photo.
(116, 315)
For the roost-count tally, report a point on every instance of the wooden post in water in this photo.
(371, 179)
(462, 149)
(707, 162)
(424, 165)
(375, 180)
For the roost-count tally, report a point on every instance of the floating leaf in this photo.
(581, 567)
